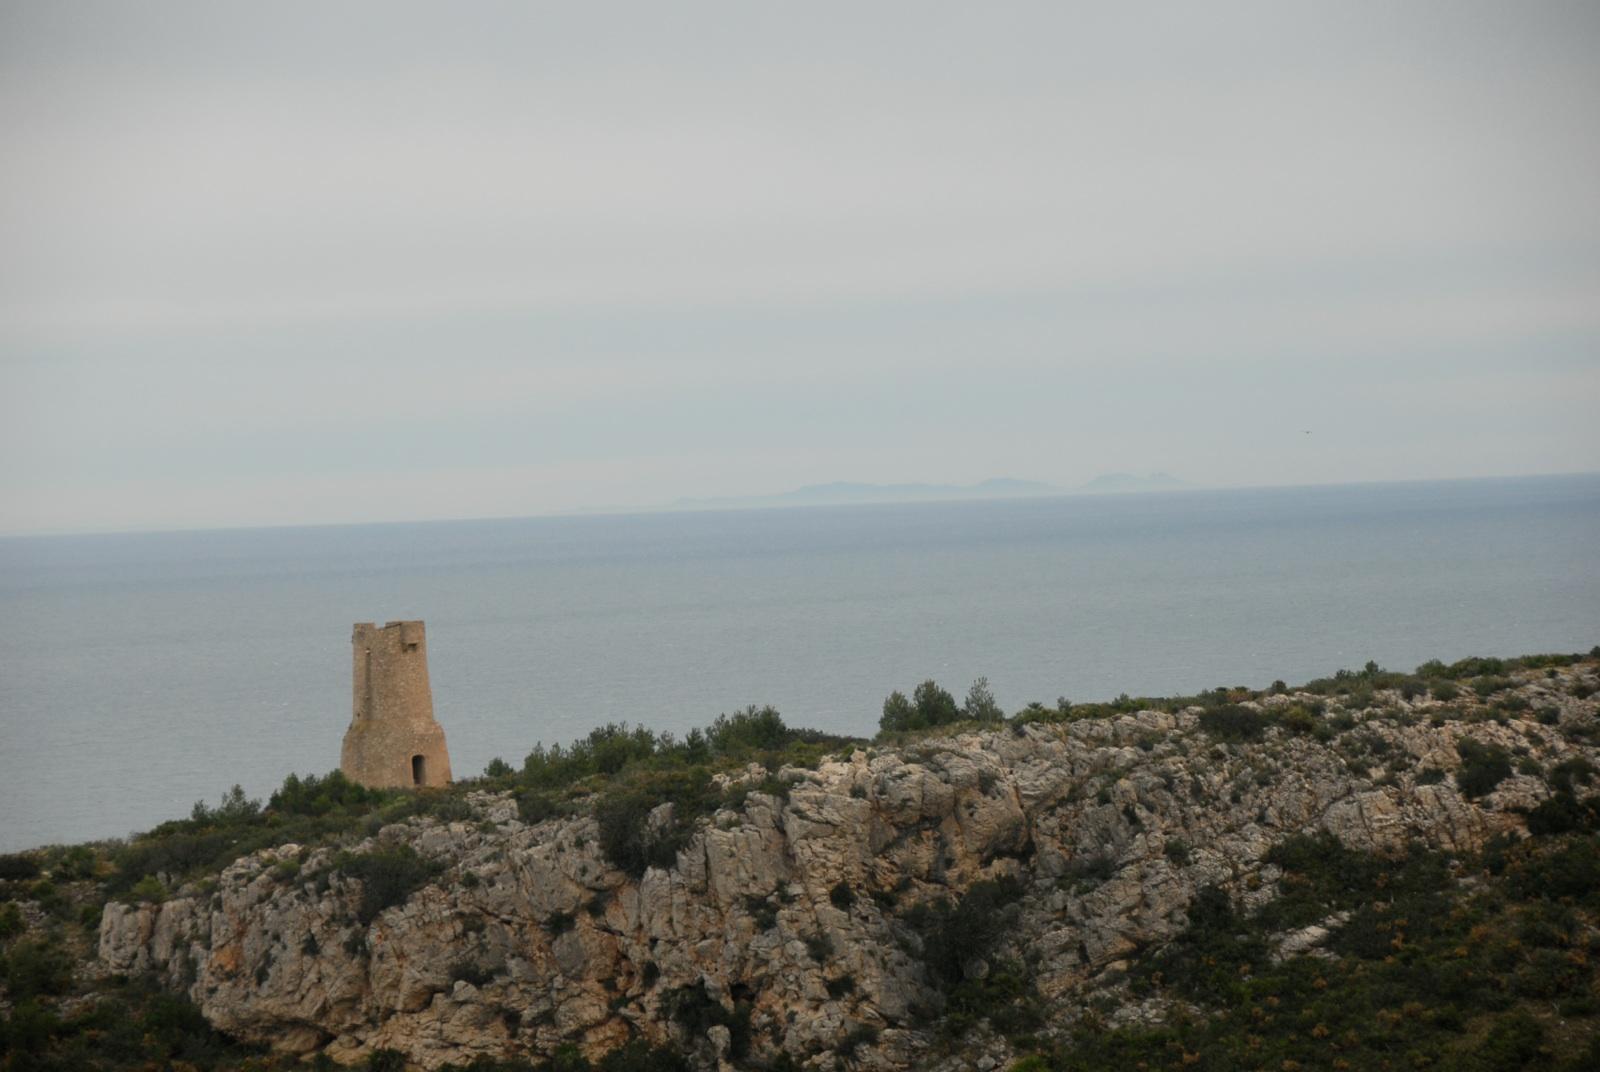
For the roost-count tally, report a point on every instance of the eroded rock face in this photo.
(529, 938)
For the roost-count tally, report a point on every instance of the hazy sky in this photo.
(271, 263)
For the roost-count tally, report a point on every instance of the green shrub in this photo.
(1297, 720)
(1005, 997)
(1232, 722)
(765, 916)
(636, 1056)
(148, 888)
(19, 867)
(898, 713)
(26, 1034)
(1483, 766)
(1571, 773)
(1563, 812)
(606, 750)
(1206, 960)
(751, 730)
(234, 808)
(980, 705)
(74, 865)
(35, 967)
(627, 837)
(1513, 1044)
(1472, 666)
(386, 1061)
(930, 706)
(1489, 685)
(1427, 972)
(955, 934)
(388, 877)
(535, 806)
(314, 796)
(819, 946)
(1569, 869)
(696, 1011)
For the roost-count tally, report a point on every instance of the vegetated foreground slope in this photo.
(1374, 871)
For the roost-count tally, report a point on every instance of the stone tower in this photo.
(393, 740)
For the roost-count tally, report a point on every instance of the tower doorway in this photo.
(419, 770)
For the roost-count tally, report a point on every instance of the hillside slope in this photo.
(1335, 878)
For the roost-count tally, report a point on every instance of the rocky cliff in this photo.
(796, 921)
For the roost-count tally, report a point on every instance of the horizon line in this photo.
(1080, 491)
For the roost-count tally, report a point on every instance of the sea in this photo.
(140, 673)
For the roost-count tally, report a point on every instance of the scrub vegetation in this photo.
(1478, 961)
(1480, 964)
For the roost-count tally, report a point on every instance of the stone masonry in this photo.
(393, 740)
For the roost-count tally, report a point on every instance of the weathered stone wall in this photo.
(393, 739)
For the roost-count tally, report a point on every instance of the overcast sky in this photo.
(273, 263)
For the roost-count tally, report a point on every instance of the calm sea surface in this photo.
(139, 673)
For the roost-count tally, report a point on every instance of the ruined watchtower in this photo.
(393, 740)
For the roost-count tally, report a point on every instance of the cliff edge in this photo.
(954, 902)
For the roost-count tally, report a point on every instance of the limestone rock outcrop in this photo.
(794, 905)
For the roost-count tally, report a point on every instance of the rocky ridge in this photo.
(787, 915)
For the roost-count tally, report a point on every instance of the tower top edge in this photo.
(404, 623)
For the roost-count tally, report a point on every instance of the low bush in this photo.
(31, 968)
(18, 867)
(1004, 997)
(694, 1010)
(1425, 972)
(955, 934)
(1234, 723)
(1488, 685)
(316, 796)
(629, 838)
(1209, 958)
(388, 877)
(1483, 766)
(1562, 812)
(1567, 869)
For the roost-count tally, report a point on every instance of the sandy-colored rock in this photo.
(1111, 825)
